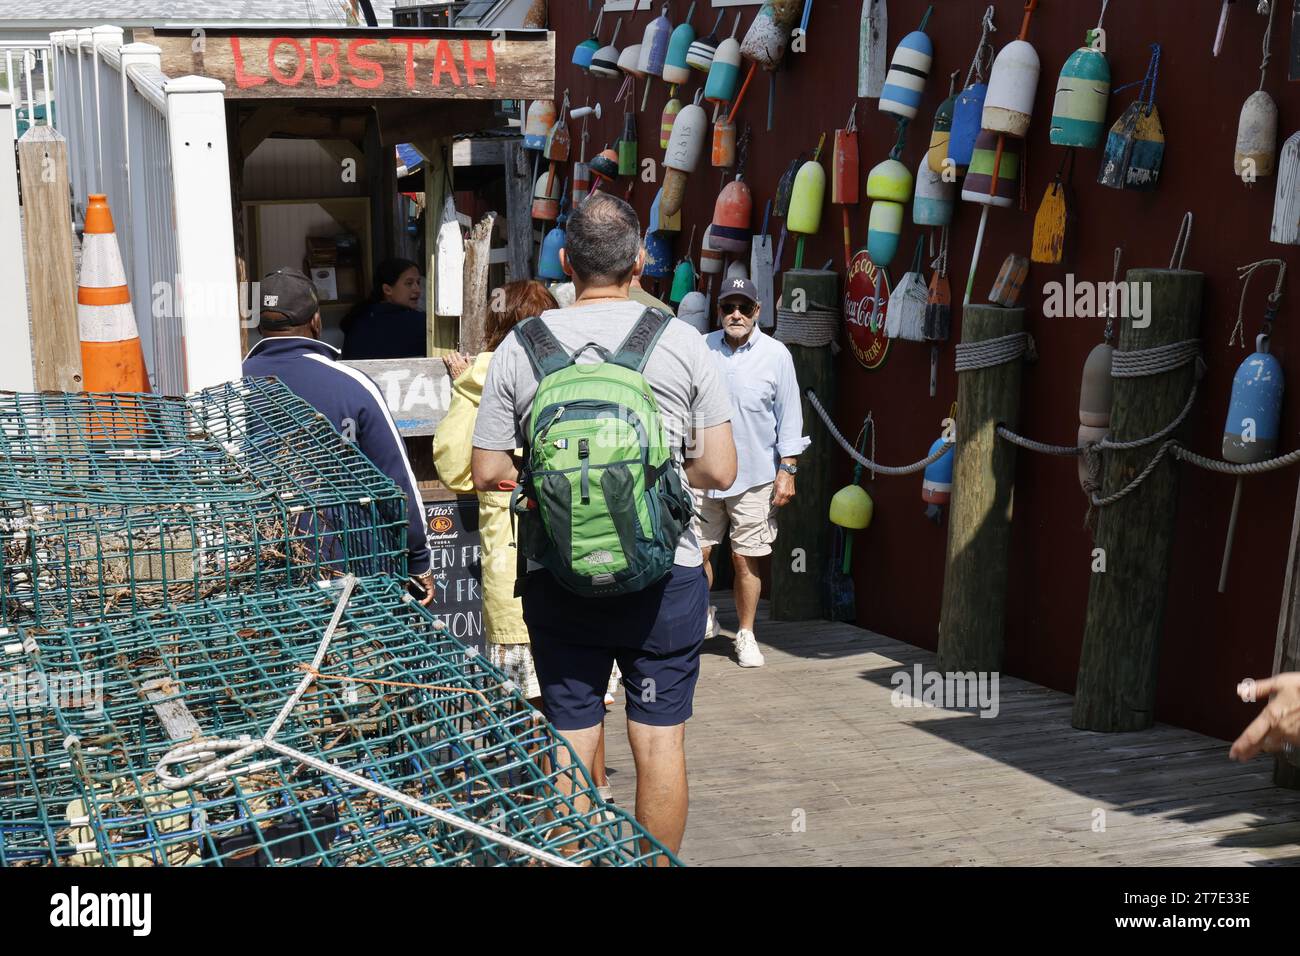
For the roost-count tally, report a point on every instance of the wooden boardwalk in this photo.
(812, 737)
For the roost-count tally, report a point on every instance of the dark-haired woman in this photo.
(388, 324)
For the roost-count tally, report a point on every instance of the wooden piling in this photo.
(803, 537)
(1116, 685)
(478, 252)
(51, 276)
(972, 620)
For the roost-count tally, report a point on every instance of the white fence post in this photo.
(15, 333)
(205, 235)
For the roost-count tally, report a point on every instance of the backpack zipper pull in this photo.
(584, 456)
(554, 418)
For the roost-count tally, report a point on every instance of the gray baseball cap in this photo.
(738, 287)
(288, 300)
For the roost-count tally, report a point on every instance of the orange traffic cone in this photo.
(112, 358)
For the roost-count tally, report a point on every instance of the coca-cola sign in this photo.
(866, 298)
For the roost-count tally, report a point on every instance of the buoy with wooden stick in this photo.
(667, 118)
(654, 44)
(734, 210)
(910, 68)
(586, 50)
(724, 72)
(605, 61)
(1250, 434)
(604, 167)
(941, 130)
(1009, 103)
(806, 200)
(1257, 125)
(537, 125)
(769, 33)
(683, 154)
(873, 49)
(676, 68)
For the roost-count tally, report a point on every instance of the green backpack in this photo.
(600, 503)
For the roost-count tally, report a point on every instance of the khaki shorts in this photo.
(750, 515)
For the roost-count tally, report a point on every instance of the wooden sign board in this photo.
(416, 390)
(455, 551)
(284, 63)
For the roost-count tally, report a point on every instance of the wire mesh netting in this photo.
(394, 700)
(120, 503)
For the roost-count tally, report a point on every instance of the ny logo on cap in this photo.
(738, 283)
(270, 300)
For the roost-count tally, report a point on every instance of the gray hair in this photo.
(602, 240)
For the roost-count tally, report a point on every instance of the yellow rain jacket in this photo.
(503, 616)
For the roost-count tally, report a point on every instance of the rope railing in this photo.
(863, 460)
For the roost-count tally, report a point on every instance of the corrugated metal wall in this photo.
(1211, 641)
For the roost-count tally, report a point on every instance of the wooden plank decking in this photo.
(814, 731)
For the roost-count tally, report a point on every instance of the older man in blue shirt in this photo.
(767, 423)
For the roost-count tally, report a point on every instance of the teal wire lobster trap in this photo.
(326, 725)
(116, 504)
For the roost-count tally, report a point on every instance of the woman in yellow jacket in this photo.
(503, 619)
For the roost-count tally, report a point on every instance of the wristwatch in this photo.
(788, 469)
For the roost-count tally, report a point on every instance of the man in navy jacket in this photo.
(291, 350)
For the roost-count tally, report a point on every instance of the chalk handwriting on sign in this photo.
(345, 63)
(417, 391)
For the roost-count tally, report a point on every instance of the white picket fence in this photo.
(156, 146)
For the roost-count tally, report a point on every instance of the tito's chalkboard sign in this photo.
(344, 63)
(455, 549)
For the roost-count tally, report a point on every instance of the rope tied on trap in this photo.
(237, 750)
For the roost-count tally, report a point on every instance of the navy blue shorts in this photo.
(655, 635)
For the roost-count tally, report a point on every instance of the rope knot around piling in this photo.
(988, 353)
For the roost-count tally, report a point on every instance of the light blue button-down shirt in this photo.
(767, 418)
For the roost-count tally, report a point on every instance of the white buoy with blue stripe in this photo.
(908, 71)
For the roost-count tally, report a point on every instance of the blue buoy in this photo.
(967, 116)
(936, 488)
(1255, 411)
(548, 264)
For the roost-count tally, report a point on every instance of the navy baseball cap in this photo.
(738, 287)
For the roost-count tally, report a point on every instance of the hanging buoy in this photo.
(537, 126)
(844, 167)
(584, 51)
(724, 73)
(605, 61)
(1096, 390)
(629, 61)
(852, 508)
(668, 117)
(737, 270)
(682, 155)
(1054, 221)
(1009, 104)
(873, 48)
(1286, 200)
(1010, 281)
(548, 264)
(724, 144)
(658, 256)
(732, 214)
(908, 71)
(605, 166)
(938, 307)
(806, 199)
(683, 281)
(1082, 94)
(694, 311)
(659, 222)
(546, 198)
(581, 183)
(676, 69)
(654, 44)
(557, 144)
(1135, 147)
(967, 114)
(905, 315)
(936, 483)
(710, 255)
(1251, 431)
(1256, 138)
(700, 55)
(978, 186)
(935, 198)
(889, 186)
(768, 34)
(941, 135)
(627, 147)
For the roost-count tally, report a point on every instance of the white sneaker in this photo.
(747, 651)
(711, 628)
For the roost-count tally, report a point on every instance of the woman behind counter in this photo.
(389, 324)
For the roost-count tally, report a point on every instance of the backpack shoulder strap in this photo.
(544, 351)
(636, 348)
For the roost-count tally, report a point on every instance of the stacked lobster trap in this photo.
(209, 596)
(121, 503)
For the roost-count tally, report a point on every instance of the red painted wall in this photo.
(1210, 640)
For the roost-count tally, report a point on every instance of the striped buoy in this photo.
(546, 198)
(935, 198)
(605, 166)
(978, 186)
(112, 358)
(683, 154)
(676, 69)
(1256, 138)
(537, 126)
(581, 183)
(967, 114)
(605, 61)
(667, 118)
(710, 255)
(1082, 93)
(1286, 200)
(732, 214)
(654, 44)
(889, 186)
(1009, 104)
(908, 71)
(700, 55)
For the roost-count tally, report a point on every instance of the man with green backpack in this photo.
(619, 411)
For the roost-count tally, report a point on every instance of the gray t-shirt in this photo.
(681, 373)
